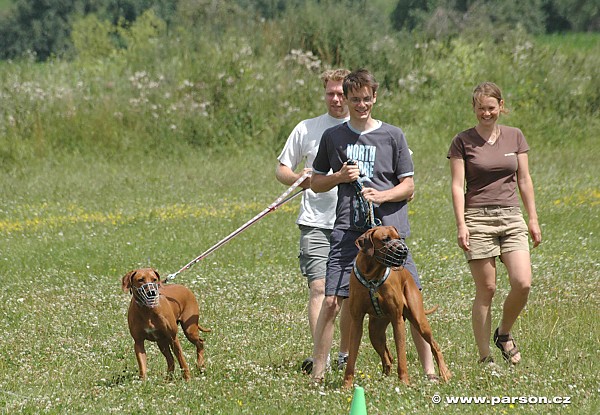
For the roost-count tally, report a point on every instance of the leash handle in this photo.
(370, 220)
(367, 208)
(280, 201)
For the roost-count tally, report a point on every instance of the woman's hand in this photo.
(462, 236)
(535, 232)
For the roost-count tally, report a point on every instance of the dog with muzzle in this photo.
(381, 287)
(154, 312)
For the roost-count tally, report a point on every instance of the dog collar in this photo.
(372, 286)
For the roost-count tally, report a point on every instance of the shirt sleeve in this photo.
(406, 167)
(522, 146)
(292, 153)
(321, 163)
(456, 150)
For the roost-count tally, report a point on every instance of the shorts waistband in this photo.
(493, 209)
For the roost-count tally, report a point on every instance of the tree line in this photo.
(42, 28)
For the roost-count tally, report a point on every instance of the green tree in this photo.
(582, 15)
(405, 15)
(43, 27)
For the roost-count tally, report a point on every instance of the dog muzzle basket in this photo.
(148, 295)
(393, 254)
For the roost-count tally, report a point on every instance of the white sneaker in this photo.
(342, 360)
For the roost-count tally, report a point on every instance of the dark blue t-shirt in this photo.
(383, 158)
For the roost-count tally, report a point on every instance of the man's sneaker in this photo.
(342, 360)
(307, 366)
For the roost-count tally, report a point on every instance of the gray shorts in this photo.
(341, 260)
(494, 230)
(314, 250)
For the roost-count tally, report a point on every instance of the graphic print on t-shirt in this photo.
(364, 156)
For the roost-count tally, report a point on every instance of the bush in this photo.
(143, 88)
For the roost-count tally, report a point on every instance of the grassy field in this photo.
(71, 229)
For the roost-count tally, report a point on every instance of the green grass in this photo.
(71, 229)
(6, 4)
(582, 42)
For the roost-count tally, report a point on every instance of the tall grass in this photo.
(168, 93)
(124, 162)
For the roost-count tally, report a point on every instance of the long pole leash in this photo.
(280, 201)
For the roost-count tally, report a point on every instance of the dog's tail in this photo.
(203, 329)
(432, 310)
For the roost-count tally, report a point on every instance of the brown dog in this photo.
(154, 312)
(390, 296)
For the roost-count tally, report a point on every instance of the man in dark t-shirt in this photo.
(381, 162)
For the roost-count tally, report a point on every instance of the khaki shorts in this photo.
(314, 251)
(494, 230)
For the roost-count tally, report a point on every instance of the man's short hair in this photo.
(333, 75)
(359, 79)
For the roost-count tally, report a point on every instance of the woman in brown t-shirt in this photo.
(492, 161)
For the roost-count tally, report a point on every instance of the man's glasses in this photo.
(357, 100)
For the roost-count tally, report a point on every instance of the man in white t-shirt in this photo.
(317, 210)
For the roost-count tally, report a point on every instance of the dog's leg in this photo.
(445, 373)
(192, 334)
(377, 328)
(355, 337)
(140, 356)
(191, 329)
(163, 345)
(418, 319)
(424, 329)
(400, 340)
(176, 346)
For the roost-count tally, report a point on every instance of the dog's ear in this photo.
(157, 275)
(365, 243)
(126, 281)
(398, 232)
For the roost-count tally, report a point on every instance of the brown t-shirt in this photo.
(490, 169)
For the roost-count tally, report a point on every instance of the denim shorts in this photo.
(314, 250)
(341, 260)
(494, 230)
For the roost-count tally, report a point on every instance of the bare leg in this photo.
(324, 335)
(423, 350)
(484, 276)
(345, 322)
(518, 265)
(315, 301)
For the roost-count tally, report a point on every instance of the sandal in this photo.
(504, 338)
(432, 377)
(486, 360)
(316, 382)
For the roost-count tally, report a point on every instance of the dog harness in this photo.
(373, 286)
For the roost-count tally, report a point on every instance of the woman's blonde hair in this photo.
(489, 89)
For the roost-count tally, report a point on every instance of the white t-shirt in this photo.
(316, 209)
